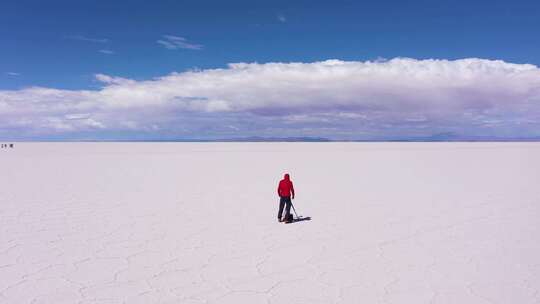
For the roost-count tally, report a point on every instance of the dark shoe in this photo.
(279, 220)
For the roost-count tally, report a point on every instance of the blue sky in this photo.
(64, 45)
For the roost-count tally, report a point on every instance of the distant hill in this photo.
(275, 139)
(440, 137)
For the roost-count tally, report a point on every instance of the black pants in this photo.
(284, 201)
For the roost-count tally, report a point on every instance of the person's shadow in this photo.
(300, 219)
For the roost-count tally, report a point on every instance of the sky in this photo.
(350, 70)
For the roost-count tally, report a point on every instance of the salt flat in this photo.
(196, 223)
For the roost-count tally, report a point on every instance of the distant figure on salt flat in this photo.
(286, 193)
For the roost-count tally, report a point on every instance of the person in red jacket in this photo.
(286, 193)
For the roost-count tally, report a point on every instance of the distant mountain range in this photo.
(236, 139)
(442, 137)
(274, 139)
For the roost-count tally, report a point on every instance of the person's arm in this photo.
(278, 188)
(292, 190)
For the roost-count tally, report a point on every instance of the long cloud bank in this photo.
(395, 98)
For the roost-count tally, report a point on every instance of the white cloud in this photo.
(77, 116)
(113, 80)
(398, 97)
(87, 39)
(175, 42)
(93, 123)
(106, 52)
(281, 18)
(13, 74)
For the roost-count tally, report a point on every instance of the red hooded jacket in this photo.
(285, 187)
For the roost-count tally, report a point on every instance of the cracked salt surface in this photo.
(435, 223)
